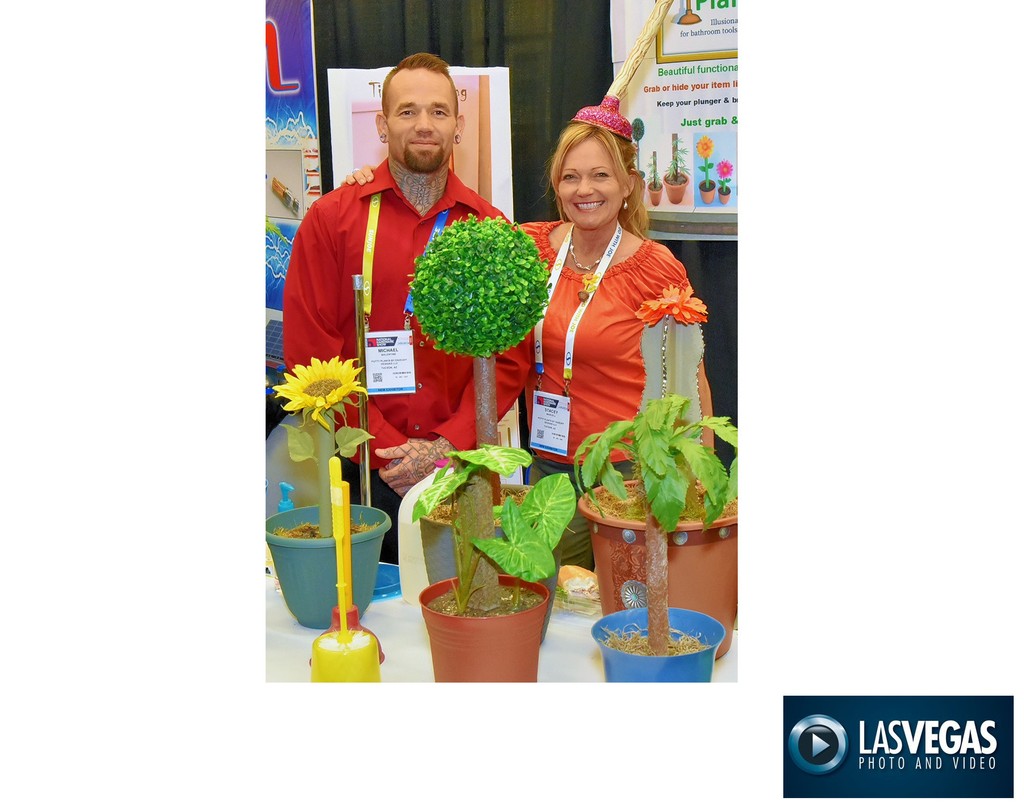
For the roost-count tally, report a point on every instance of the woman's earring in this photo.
(383, 138)
(458, 139)
(625, 204)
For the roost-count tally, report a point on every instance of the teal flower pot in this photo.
(307, 569)
(622, 667)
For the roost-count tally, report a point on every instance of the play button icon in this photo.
(817, 744)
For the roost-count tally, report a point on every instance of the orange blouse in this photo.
(608, 369)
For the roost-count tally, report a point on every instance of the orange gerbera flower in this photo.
(705, 147)
(674, 302)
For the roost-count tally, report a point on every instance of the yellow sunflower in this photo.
(318, 387)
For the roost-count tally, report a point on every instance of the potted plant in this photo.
(300, 540)
(638, 133)
(505, 648)
(678, 175)
(724, 171)
(705, 148)
(678, 479)
(441, 547)
(654, 184)
(681, 488)
(478, 290)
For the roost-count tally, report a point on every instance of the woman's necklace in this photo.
(584, 267)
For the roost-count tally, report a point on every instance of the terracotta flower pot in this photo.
(676, 192)
(702, 566)
(502, 648)
(655, 194)
(707, 191)
(724, 195)
(439, 555)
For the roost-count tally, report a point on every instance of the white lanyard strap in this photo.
(570, 334)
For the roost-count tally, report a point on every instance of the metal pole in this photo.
(364, 415)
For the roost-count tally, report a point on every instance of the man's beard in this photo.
(423, 164)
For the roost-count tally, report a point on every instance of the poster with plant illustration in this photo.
(683, 105)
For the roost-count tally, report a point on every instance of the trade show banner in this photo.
(293, 149)
(483, 160)
(682, 103)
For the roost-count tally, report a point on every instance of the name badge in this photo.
(389, 363)
(550, 430)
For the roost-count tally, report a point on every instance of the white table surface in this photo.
(568, 653)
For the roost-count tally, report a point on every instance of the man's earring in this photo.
(383, 138)
(458, 139)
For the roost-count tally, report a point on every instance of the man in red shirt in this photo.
(347, 233)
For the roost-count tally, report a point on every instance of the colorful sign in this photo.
(682, 103)
(293, 148)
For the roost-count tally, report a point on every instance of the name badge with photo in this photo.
(389, 363)
(550, 429)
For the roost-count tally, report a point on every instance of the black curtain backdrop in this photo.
(558, 53)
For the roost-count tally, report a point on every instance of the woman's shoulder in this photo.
(537, 228)
(652, 259)
(541, 232)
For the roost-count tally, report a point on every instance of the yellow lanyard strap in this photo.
(368, 248)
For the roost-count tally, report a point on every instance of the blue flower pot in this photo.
(308, 568)
(622, 667)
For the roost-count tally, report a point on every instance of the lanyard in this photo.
(570, 334)
(369, 249)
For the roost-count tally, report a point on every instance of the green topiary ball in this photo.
(480, 287)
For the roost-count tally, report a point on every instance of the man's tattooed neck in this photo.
(422, 190)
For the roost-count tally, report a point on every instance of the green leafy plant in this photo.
(480, 287)
(678, 172)
(532, 528)
(668, 460)
(478, 290)
(654, 183)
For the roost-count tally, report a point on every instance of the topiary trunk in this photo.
(657, 587)
(483, 491)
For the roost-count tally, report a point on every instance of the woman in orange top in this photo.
(607, 268)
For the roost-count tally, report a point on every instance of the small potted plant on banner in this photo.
(678, 175)
(638, 135)
(655, 187)
(724, 171)
(705, 148)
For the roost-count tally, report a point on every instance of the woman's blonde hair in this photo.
(634, 216)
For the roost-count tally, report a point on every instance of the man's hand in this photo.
(411, 462)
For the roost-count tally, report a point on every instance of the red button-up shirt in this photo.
(319, 304)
